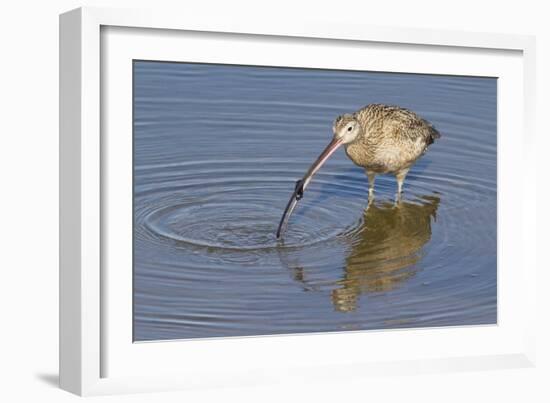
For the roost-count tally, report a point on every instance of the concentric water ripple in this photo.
(242, 212)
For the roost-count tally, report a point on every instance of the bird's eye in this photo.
(349, 129)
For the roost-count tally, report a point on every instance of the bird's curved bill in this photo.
(304, 182)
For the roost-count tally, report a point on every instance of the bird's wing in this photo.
(407, 125)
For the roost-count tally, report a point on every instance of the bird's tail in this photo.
(434, 134)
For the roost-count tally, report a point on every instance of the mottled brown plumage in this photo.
(383, 139)
(391, 140)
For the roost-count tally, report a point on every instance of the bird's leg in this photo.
(372, 176)
(400, 176)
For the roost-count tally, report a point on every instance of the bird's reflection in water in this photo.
(383, 251)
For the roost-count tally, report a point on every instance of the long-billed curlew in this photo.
(380, 138)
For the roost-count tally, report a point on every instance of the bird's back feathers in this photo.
(393, 137)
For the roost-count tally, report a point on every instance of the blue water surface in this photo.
(217, 150)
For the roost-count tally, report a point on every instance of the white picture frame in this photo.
(96, 354)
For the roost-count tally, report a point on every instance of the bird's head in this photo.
(346, 128)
